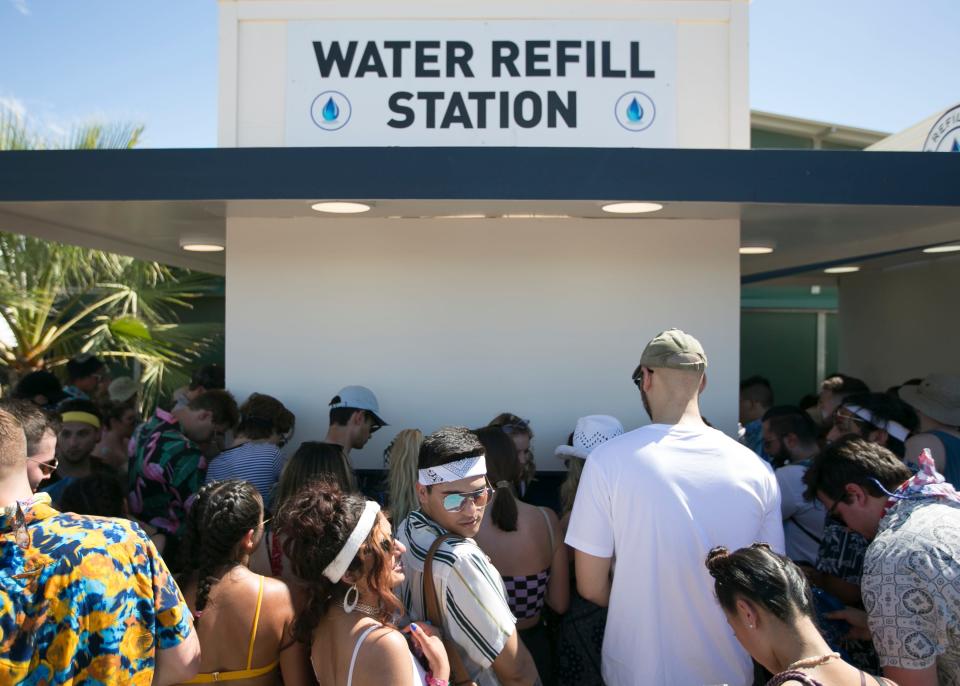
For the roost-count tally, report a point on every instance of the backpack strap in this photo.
(431, 603)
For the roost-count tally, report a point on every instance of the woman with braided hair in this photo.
(342, 549)
(231, 605)
(769, 606)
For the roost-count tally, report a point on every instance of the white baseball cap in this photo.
(358, 398)
(591, 431)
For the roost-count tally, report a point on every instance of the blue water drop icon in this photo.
(956, 145)
(634, 111)
(330, 110)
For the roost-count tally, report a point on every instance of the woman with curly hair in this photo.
(342, 549)
(231, 605)
(769, 606)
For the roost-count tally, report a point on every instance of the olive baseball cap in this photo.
(673, 349)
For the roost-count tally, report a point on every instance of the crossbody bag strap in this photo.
(458, 672)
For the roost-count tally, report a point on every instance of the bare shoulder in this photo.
(920, 441)
(277, 599)
(384, 659)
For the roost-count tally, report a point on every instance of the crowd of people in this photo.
(822, 547)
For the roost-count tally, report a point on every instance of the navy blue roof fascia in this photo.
(729, 176)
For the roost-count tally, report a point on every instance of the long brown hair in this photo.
(314, 524)
(504, 472)
(313, 461)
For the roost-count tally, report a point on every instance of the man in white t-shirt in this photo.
(658, 499)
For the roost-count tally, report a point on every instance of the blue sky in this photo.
(877, 64)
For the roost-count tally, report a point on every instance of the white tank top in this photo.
(418, 676)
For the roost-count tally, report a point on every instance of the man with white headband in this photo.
(80, 430)
(880, 418)
(453, 490)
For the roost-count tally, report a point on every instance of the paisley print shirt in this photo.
(83, 600)
(166, 471)
(911, 587)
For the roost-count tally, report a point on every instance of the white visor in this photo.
(336, 569)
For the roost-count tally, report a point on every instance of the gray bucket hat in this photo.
(937, 396)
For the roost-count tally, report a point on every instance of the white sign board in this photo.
(476, 83)
(944, 136)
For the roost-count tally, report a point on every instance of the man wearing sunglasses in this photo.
(658, 499)
(354, 418)
(453, 491)
(911, 569)
(41, 431)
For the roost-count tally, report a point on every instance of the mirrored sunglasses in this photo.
(455, 502)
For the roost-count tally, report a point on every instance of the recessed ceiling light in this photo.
(756, 248)
(632, 207)
(953, 247)
(841, 270)
(341, 207)
(202, 244)
(535, 216)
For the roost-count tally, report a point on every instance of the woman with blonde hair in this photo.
(400, 458)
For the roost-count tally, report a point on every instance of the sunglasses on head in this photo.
(516, 426)
(455, 502)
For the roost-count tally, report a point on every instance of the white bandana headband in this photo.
(453, 471)
(895, 429)
(336, 569)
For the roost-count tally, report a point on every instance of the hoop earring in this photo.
(348, 605)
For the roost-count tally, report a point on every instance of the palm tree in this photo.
(60, 300)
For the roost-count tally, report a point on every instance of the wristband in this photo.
(434, 681)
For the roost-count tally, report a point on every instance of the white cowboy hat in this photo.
(591, 431)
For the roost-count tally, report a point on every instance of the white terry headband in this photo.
(453, 471)
(335, 570)
(895, 429)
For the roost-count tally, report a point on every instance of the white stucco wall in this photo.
(900, 323)
(711, 75)
(452, 322)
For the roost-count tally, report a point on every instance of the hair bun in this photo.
(717, 559)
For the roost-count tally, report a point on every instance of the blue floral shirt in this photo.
(83, 600)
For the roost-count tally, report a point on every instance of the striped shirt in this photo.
(256, 462)
(473, 602)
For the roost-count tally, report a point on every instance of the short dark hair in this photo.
(757, 389)
(340, 416)
(83, 366)
(763, 577)
(35, 421)
(886, 408)
(263, 415)
(448, 444)
(80, 405)
(100, 494)
(221, 404)
(789, 419)
(853, 460)
(113, 411)
(210, 377)
(843, 385)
